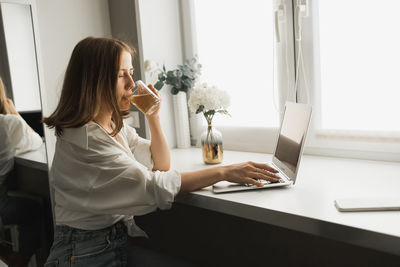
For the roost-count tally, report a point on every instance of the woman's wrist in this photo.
(153, 118)
(222, 173)
(154, 123)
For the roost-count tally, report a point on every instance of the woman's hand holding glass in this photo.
(157, 107)
(146, 99)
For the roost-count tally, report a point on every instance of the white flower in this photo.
(210, 97)
(150, 66)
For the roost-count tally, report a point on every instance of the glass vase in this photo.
(211, 143)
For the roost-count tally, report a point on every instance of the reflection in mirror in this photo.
(24, 185)
(18, 66)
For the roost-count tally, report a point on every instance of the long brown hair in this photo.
(4, 107)
(90, 80)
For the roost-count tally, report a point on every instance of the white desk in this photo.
(36, 159)
(308, 206)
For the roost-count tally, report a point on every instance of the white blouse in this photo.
(16, 137)
(99, 181)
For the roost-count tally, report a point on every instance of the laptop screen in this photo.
(292, 135)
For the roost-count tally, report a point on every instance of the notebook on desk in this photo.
(288, 150)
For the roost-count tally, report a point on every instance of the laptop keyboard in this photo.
(266, 182)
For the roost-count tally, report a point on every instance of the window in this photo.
(352, 62)
(234, 42)
(359, 56)
(234, 45)
(330, 54)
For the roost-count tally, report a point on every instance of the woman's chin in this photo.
(124, 106)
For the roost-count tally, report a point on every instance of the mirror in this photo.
(18, 65)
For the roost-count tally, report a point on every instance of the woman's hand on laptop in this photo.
(241, 173)
(249, 173)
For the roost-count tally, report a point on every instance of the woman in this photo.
(104, 174)
(16, 137)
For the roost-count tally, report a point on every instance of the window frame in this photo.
(343, 143)
(255, 139)
(349, 144)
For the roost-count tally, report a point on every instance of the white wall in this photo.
(62, 24)
(19, 38)
(161, 41)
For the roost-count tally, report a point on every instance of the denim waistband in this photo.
(74, 234)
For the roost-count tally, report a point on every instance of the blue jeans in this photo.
(105, 247)
(75, 247)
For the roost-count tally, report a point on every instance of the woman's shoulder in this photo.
(11, 120)
(77, 136)
(10, 117)
(92, 136)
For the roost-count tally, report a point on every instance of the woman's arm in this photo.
(159, 146)
(242, 173)
(13, 110)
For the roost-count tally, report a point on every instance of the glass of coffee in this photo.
(144, 98)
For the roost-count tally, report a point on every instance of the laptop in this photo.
(288, 150)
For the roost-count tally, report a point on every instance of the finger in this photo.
(140, 89)
(258, 175)
(264, 166)
(268, 173)
(153, 89)
(155, 112)
(248, 180)
(263, 171)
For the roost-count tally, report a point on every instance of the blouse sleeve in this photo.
(114, 183)
(22, 138)
(140, 147)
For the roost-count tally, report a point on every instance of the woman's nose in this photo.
(131, 82)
